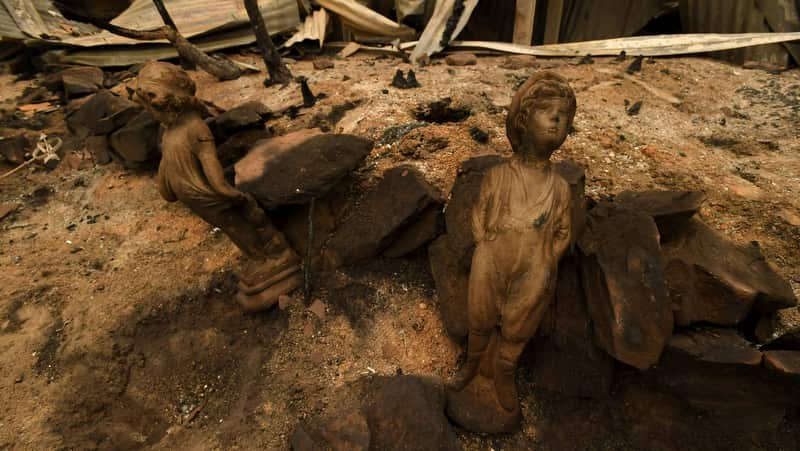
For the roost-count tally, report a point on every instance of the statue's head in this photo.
(541, 115)
(165, 90)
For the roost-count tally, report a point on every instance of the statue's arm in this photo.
(163, 187)
(206, 153)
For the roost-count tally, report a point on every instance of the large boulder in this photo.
(671, 210)
(564, 357)
(623, 279)
(408, 414)
(780, 329)
(76, 81)
(395, 202)
(421, 232)
(101, 114)
(450, 256)
(719, 373)
(715, 281)
(300, 166)
(137, 142)
(249, 115)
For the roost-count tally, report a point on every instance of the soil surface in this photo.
(118, 325)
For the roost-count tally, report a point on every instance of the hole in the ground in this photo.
(441, 112)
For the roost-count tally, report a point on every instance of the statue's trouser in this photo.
(273, 268)
(507, 299)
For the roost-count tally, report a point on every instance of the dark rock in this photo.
(348, 433)
(400, 81)
(715, 345)
(451, 276)
(238, 145)
(16, 144)
(587, 59)
(408, 414)
(479, 135)
(249, 115)
(719, 373)
(76, 81)
(463, 196)
(575, 175)
(309, 99)
(713, 280)
(624, 283)
(450, 256)
(461, 59)
(784, 362)
(136, 142)
(634, 109)
(394, 203)
(423, 230)
(302, 440)
(671, 210)
(101, 114)
(98, 147)
(635, 66)
(564, 356)
(396, 132)
(78, 85)
(780, 329)
(294, 168)
(329, 211)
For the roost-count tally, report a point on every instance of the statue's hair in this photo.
(540, 86)
(173, 83)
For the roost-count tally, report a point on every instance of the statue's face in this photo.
(547, 124)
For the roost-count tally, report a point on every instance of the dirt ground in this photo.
(118, 327)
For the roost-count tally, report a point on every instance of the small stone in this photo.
(19, 378)
(318, 308)
(516, 62)
(461, 59)
(322, 64)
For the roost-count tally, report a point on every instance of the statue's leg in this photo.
(505, 365)
(528, 299)
(233, 222)
(482, 313)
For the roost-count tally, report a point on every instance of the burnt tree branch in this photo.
(278, 72)
(218, 67)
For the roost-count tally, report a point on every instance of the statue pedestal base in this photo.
(260, 287)
(477, 409)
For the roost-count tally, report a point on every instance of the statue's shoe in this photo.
(256, 301)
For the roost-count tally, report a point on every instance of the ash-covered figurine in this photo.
(190, 172)
(522, 226)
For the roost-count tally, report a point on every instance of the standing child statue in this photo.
(190, 172)
(521, 224)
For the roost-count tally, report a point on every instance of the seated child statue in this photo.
(521, 224)
(190, 172)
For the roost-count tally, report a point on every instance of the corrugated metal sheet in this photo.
(193, 18)
(586, 20)
(732, 16)
(9, 28)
